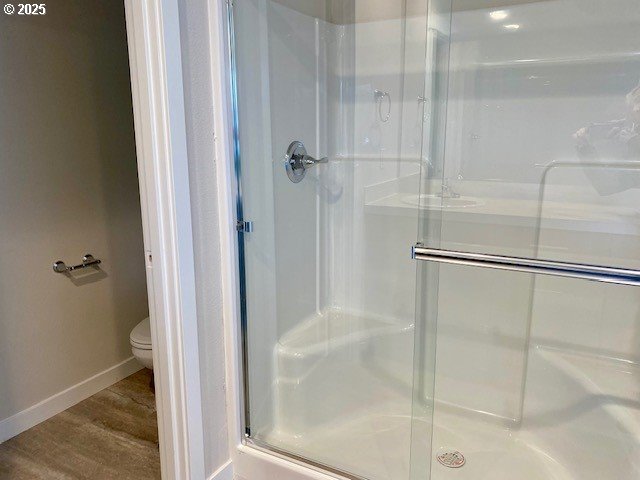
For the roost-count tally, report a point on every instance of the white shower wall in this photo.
(286, 82)
(483, 350)
(331, 77)
(516, 98)
(313, 242)
(378, 159)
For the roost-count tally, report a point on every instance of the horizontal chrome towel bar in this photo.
(621, 276)
(87, 261)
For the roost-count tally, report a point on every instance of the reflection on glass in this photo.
(542, 132)
(536, 377)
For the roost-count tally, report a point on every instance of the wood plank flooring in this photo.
(111, 435)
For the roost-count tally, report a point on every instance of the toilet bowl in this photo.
(140, 339)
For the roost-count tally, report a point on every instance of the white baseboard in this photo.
(32, 416)
(225, 472)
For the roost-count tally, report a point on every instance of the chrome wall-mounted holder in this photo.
(297, 162)
(87, 261)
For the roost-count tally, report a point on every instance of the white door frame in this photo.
(153, 33)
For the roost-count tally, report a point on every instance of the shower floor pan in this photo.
(342, 406)
(376, 446)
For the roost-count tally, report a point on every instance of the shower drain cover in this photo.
(451, 458)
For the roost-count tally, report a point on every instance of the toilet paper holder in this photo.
(87, 261)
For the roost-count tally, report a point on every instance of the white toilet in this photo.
(140, 339)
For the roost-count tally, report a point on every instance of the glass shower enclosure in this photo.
(438, 221)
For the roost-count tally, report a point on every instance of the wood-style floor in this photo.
(111, 435)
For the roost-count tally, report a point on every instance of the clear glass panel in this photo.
(542, 152)
(330, 284)
(537, 378)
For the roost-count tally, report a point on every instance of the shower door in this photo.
(330, 113)
(529, 245)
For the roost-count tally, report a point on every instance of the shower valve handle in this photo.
(308, 161)
(297, 162)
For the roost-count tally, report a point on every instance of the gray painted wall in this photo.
(68, 186)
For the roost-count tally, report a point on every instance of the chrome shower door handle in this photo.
(596, 273)
(297, 162)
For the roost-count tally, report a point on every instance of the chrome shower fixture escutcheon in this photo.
(297, 162)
